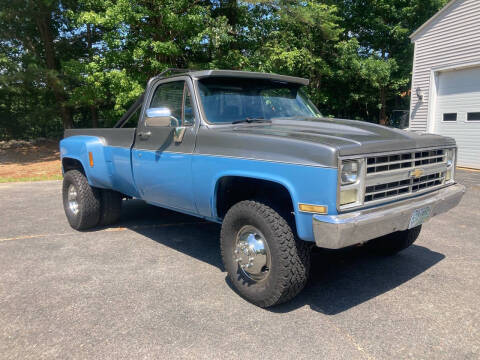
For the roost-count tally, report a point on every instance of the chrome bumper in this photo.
(338, 231)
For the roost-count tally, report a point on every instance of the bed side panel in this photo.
(111, 152)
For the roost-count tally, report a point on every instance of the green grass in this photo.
(31, 178)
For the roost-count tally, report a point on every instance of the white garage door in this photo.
(457, 113)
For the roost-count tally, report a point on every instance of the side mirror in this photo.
(161, 117)
(179, 133)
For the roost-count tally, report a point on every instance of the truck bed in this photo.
(122, 137)
(111, 155)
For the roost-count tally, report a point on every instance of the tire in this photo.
(111, 207)
(393, 243)
(88, 199)
(288, 259)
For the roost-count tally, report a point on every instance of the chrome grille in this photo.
(391, 176)
(428, 181)
(396, 188)
(404, 160)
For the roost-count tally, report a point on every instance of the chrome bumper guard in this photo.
(338, 231)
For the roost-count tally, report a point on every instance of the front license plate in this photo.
(419, 216)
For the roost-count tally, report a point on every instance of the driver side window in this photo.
(188, 117)
(174, 96)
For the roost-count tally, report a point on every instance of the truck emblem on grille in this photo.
(416, 173)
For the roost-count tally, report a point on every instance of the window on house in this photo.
(450, 117)
(473, 116)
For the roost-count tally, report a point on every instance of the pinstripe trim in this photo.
(238, 158)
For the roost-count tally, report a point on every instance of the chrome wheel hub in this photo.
(72, 199)
(252, 254)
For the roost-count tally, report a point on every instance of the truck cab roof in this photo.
(200, 74)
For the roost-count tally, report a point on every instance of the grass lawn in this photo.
(32, 178)
(30, 162)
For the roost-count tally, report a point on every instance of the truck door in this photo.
(164, 143)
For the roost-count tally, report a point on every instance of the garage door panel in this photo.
(459, 92)
(459, 81)
(459, 101)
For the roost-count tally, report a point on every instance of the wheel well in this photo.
(233, 189)
(72, 164)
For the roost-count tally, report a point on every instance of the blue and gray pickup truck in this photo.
(250, 151)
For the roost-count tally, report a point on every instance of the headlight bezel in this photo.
(358, 185)
(451, 161)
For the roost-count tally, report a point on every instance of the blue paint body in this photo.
(188, 182)
(306, 184)
(164, 178)
(112, 165)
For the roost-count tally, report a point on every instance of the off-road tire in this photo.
(393, 243)
(290, 257)
(111, 207)
(88, 198)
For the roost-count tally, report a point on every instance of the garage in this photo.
(457, 112)
(446, 78)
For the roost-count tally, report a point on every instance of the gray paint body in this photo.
(121, 137)
(309, 141)
(247, 74)
(195, 75)
(315, 142)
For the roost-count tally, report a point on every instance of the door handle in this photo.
(144, 135)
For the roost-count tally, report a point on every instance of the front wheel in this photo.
(266, 264)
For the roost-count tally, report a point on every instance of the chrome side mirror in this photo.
(161, 117)
(179, 133)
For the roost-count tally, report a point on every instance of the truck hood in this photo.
(312, 141)
(348, 137)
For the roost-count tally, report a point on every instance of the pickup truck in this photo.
(250, 151)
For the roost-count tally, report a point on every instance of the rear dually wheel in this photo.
(81, 202)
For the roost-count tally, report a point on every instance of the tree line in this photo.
(81, 63)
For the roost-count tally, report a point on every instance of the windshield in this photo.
(227, 100)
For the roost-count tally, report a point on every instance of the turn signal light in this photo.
(90, 157)
(317, 209)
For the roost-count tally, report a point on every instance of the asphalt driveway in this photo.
(153, 287)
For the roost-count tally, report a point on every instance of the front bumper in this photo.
(338, 231)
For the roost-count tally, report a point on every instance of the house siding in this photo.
(453, 38)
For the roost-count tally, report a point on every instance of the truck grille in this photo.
(402, 174)
(404, 160)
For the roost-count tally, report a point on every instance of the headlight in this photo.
(349, 173)
(450, 159)
(348, 196)
(351, 183)
(450, 154)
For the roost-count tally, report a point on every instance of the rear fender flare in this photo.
(79, 148)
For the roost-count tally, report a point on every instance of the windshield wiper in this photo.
(252, 120)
